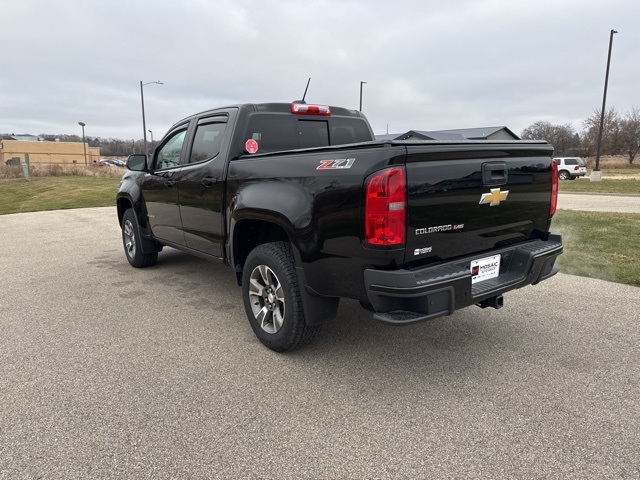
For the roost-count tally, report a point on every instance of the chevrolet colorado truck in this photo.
(308, 208)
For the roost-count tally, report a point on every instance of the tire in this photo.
(564, 175)
(131, 240)
(272, 298)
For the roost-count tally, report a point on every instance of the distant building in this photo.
(47, 152)
(482, 133)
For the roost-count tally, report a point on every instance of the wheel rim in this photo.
(129, 239)
(267, 299)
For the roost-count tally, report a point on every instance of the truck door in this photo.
(200, 190)
(160, 188)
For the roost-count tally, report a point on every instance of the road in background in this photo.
(599, 203)
(112, 372)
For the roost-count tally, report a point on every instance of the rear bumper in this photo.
(409, 296)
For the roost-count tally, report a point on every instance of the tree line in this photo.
(620, 135)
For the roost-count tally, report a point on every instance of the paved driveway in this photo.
(599, 203)
(111, 372)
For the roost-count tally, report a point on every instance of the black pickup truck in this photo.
(308, 208)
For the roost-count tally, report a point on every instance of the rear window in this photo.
(287, 132)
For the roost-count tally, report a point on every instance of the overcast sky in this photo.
(428, 65)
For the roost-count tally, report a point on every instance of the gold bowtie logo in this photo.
(494, 197)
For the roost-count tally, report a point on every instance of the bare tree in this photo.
(611, 137)
(630, 133)
(563, 138)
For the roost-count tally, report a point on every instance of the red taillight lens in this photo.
(385, 208)
(554, 188)
(576, 167)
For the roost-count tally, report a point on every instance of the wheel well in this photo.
(248, 234)
(123, 205)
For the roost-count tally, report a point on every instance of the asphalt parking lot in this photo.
(112, 372)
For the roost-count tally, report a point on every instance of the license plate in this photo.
(485, 268)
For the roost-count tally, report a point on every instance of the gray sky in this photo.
(428, 65)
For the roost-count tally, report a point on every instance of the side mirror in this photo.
(137, 162)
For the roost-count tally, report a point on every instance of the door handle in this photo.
(494, 173)
(169, 183)
(208, 181)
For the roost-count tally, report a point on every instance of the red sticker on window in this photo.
(251, 146)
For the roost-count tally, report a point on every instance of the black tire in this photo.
(131, 241)
(272, 298)
(564, 175)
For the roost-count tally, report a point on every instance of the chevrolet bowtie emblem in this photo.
(495, 197)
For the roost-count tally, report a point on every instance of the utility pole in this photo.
(144, 125)
(596, 175)
(84, 145)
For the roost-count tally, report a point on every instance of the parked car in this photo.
(570, 168)
(115, 162)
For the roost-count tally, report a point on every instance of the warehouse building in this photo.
(47, 152)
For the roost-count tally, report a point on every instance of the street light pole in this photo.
(84, 145)
(144, 124)
(361, 83)
(598, 176)
(151, 137)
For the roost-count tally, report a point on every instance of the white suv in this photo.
(570, 168)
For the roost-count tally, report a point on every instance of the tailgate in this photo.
(472, 197)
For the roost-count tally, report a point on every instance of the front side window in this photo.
(169, 153)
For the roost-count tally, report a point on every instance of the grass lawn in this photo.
(600, 245)
(623, 186)
(56, 193)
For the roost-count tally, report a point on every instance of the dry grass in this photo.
(613, 162)
(61, 170)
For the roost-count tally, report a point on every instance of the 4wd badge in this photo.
(494, 197)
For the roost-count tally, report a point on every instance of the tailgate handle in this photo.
(494, 173)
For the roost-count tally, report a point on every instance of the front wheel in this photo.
(272, 298)
(131, 241)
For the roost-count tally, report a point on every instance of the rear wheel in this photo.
(131, 241)
(272, 298)
(564, 175)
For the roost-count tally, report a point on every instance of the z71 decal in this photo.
(336, 164)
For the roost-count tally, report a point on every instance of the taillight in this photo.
(554, 188)
(576, 168)
(385, 207)
(304, 109)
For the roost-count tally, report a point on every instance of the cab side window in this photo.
(168, 155)
(207, 141)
